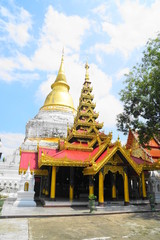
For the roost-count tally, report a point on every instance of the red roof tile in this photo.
(29, 158)
(75, 155)
(140, 160)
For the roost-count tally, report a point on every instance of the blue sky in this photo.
(110, 34)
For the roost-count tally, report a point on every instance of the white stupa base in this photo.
(25, 199)
(24, 203)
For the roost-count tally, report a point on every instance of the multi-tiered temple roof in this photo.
(86, 128)
(85, 144)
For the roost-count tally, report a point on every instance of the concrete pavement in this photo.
(114, 221)
(144, 226)
(65, 208)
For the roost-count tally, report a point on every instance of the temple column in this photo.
(126, 190)
(53, 184)
(101, 188)
(71, 187)
(144, 194)
(46, 192)
(113, 186)
(91, 185)
(43, 186)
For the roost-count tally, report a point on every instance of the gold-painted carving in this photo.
(113, 169)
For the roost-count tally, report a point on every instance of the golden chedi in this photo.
(54, 116)
(59, 97)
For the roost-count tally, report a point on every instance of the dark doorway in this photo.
(37, 186)
(119, 187)
(108, 186)
(81, 184)
(62, 182)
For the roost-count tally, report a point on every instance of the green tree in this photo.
(141, 95)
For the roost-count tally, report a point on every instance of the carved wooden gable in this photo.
(115, 160)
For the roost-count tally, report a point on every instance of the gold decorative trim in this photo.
(96, 167)
(43, 172)
(46, 160)
(113, 169)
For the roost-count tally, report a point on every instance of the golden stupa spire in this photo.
(87, 72)
(61, 73)
(59, 97)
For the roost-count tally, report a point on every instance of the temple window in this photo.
(26, 186)
(158, 188)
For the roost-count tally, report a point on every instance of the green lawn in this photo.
(2, 199)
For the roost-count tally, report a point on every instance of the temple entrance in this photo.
(108, 186)
(81, 189)
(119, 186)
(62, 182)
(66, 177)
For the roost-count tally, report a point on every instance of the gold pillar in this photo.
(53, 183)
(114, 187)
(71, 186)
(71, 193)
(126, 190)
(144, 195)
(101, 188)
(46, 187)
(91, 186)
(91, 190)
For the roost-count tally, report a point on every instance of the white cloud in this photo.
(44, 89)
(15, 26)
(139, 22)
(9, 73)
(121, 73)
(58, 31)
(7, 65)
(101, 11)
(11, 142)
(107, 104)
(109, 107)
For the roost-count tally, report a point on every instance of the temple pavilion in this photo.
(72, 157)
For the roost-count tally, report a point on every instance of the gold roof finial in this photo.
(63, 52)
(61, 73)
(87, 72)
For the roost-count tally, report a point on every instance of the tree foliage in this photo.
(141, 95)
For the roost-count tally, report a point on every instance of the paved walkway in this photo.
(114, 221)
(68, 209)
(144, 226)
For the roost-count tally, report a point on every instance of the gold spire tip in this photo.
(87, 72)
(63, 53)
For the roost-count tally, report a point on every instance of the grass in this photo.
(2, 199)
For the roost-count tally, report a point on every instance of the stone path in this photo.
(114, 221)
(144, 226)
(14, 229)
(126, 226)
(62, 209)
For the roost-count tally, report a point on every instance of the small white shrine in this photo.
(154, 185)
(25, 194)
